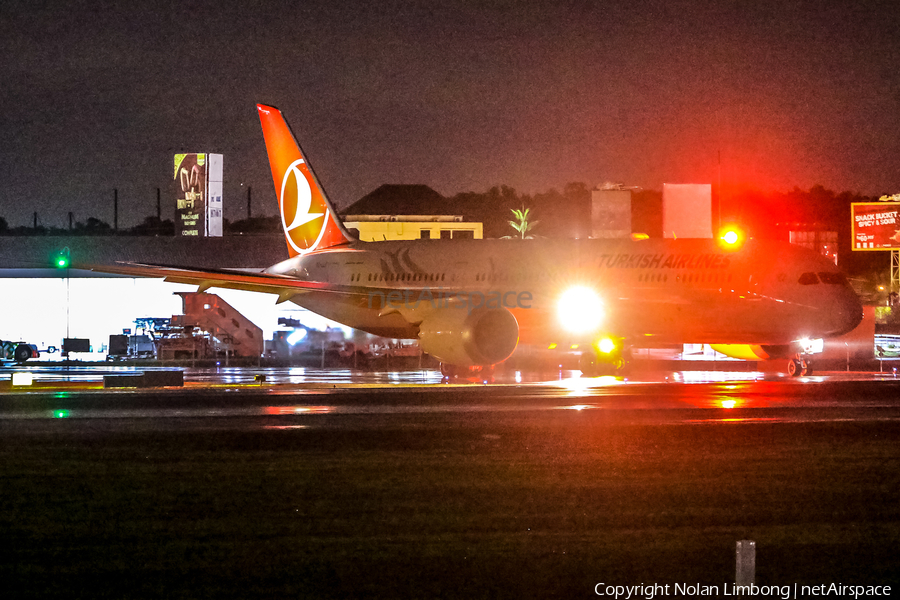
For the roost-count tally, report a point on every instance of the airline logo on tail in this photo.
(308, 219)
(296, 197)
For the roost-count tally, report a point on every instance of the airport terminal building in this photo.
(43, 303)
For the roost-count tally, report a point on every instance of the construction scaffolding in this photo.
(895, 270)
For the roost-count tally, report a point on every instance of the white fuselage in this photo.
(661, 290)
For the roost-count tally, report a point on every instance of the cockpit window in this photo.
(833, 278)
(808, 279)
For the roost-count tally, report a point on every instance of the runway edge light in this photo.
(22, 379)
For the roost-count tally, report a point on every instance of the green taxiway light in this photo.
(62, 259)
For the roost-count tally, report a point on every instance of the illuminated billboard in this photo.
(875, 225)
(610, 213)
(198, 202)
(687, 210)
(214, 196)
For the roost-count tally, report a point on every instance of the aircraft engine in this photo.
(459, 337)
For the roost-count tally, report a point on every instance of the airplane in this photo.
(470, 303)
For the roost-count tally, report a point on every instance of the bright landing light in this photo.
(812, 346)
(580, 310)
(606, 345)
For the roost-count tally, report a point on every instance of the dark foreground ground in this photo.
(457, 504)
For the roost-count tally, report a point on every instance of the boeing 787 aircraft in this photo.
(469, 303)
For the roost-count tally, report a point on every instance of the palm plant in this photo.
(521, 224)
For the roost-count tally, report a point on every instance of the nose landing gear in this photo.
(800, 365)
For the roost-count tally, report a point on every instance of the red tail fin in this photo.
(308, 218)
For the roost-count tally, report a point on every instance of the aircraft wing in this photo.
(283, 286)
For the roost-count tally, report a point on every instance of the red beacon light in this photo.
(731, 237)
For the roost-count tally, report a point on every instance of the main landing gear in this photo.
(799, 365)
(475, 373)
(607, 357)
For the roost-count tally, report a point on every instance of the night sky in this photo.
(460, 96)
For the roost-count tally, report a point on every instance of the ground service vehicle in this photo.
(17, 351)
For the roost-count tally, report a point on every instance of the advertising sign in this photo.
(190, 188)
(198, 202)
(875, 225)
(610, 213)
(687, 210)
(214, 196)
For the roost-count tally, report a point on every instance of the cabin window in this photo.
(833, 278)
(808, 279)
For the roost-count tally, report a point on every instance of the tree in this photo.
(154, 226)
(93, 226)
(255, 225)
